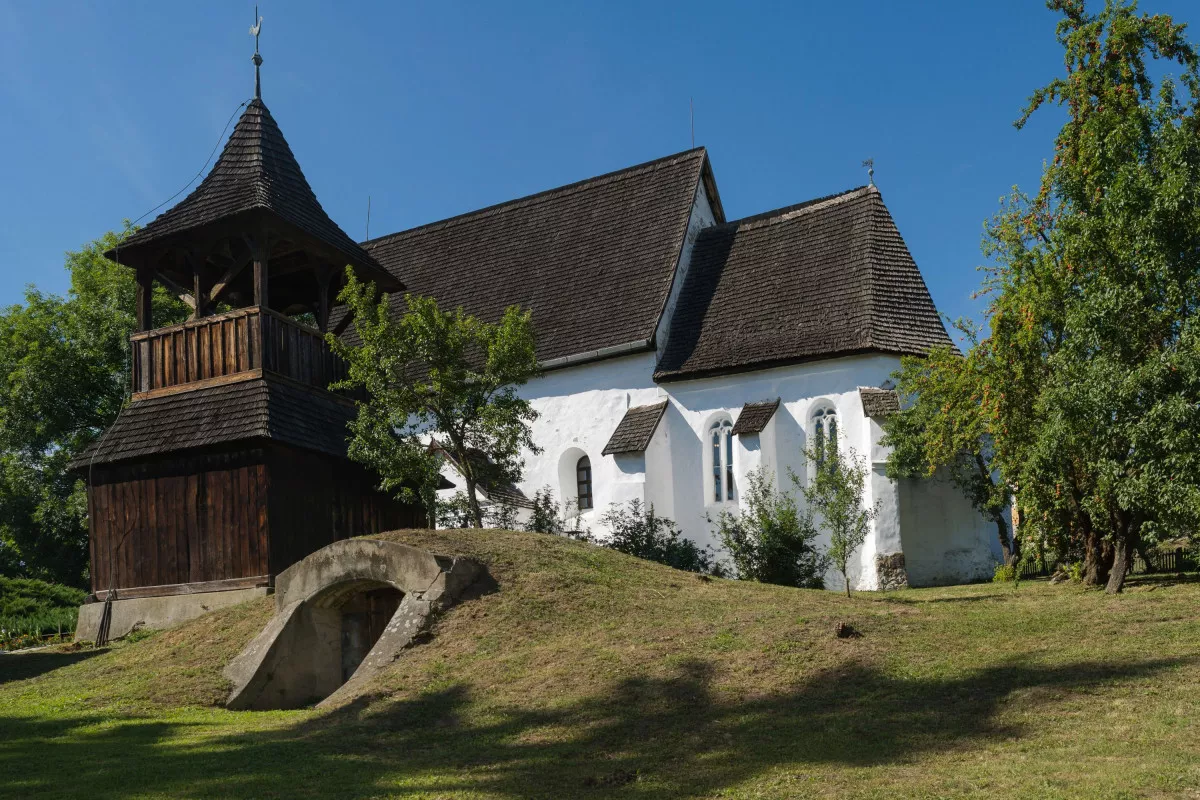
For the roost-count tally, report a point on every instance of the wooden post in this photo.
(261, 289)
(145, 296)
(197, 292)
(324, 274)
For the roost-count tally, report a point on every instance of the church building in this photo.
(681, 350)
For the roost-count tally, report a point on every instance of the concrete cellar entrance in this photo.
(341, 615)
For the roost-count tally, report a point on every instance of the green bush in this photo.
(1006, 573)
(638, 531)
(26, 595)
(33, 608)
(769, 540)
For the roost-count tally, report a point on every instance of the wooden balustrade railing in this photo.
(224, 347)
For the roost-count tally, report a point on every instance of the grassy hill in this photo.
(594, 674)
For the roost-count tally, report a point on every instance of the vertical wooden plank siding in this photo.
(205, 518)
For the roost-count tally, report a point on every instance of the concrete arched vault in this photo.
(298, 658)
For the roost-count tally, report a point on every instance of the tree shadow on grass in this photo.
(968, 598)
(1161, 579)
(20, 666)
(643, 737)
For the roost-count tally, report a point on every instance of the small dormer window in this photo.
(721, 444)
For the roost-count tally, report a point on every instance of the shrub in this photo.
(1006, 573)
(27, 595)
(638, 531)
(769, 540)
(31, 608)
(547, 517)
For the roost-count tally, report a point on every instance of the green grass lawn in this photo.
(593, 674)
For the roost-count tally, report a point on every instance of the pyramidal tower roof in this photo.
(256, 173)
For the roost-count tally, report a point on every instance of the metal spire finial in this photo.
(870, 165)
(255, 29)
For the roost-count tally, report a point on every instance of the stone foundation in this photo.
(889, 567)
(156, 613)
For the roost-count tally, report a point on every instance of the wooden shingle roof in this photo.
(755, 416)
(593, 260)
(256, 173)
(879, 403)
(635, 430)
(821, 279)
(250, 409)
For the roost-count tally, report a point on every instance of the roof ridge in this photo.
(786, 213)
(546, 194)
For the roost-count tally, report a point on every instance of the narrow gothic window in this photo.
(583, 482)
(824, 433)
(721, 437)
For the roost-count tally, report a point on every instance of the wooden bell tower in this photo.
(230, 464)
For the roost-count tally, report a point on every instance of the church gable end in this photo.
(821, 279)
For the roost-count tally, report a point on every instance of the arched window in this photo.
(583, 483)
(824, 432)
(720, 437)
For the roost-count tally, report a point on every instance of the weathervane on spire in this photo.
(255, 29)
(870, 165)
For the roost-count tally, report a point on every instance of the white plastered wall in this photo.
(578, 409)
(801, 388)
(942, 537)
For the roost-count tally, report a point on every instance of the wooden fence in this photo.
(1174, 561)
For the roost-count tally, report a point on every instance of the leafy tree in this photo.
(941, 425)
(769, 540)
(834, 501)
(1090, 374)
(64, 373)
(638, 531)
(440, 374)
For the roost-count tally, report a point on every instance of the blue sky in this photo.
(440, 108)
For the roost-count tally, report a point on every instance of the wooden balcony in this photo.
(227, 347)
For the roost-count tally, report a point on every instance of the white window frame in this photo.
(819, 418)
(720, 483)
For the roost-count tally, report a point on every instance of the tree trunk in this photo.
(1098, 557)
(1006, 548)
(1122, 555)
(473, 503)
